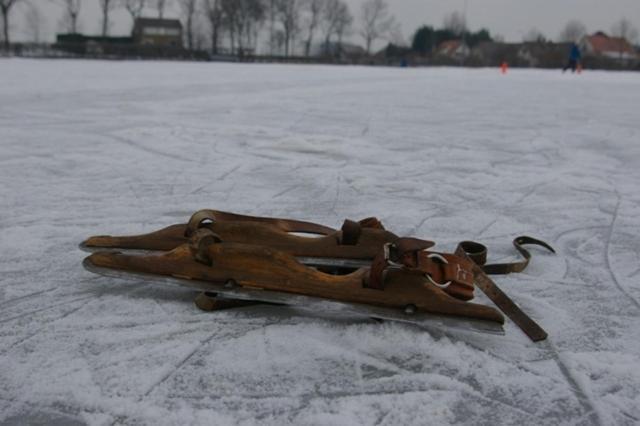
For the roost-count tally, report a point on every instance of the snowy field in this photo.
(90, 147)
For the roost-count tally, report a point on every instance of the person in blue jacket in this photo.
(574, 58)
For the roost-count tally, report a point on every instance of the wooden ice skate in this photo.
(213, 263)
(360, 264)
(356, 240)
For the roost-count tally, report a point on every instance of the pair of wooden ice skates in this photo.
(238, 260)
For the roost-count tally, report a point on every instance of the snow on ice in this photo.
(91, 147)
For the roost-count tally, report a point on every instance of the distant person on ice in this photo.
(574, 58)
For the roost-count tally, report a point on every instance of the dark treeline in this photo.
(427, 39)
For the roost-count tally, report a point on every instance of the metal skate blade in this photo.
(83, 246)
(432, 322)
(309, 261)
(334, 262)
(91, 249)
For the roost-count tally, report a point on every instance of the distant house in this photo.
(146, 32)
(453, 49)
(601, 45)
(157, 32)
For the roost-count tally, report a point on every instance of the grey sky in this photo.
(509, 18)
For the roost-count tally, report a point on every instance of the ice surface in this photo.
(91, 147)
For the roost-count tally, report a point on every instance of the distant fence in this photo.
(27, 50)
(545, 59)
(102, 51)
(285, 59)
(123, 51)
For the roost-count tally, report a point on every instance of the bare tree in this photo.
(534, 35)
(345, 19)
(626, 32)
(5, 9)
(395, 35)
(456, 23)
(106, 6)
(230, 10)
(573, 31)
(331, 17)
(336, 20)
(71, 13)
(313, 9)
(134, 7)
(161, 6)
(242, 18)
(188, 8)
(271, 12)
(33, 22)
(376, 21)
(288, 12)
(213, 12)
(200, 36)
(253, 13)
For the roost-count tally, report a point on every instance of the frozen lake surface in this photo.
(91, 147)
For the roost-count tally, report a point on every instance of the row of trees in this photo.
(426, 39)
(574, 30)
(238, 23)
(133, 7)
(288, 23)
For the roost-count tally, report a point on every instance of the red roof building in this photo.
(453, 49)
(600, 44)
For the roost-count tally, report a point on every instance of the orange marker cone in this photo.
(504, 67)
(579, 68)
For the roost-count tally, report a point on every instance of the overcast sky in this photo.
(508, 18)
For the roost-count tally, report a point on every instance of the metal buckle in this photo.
(387, 250)
(443, 260)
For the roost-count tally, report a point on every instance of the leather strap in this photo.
(352, 230)
(350, 233)
(447, 271)
(371, 222)
(456, 273)
(442, 269)
(477, 253)
(507, 268)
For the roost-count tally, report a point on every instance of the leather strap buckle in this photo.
(444, 261)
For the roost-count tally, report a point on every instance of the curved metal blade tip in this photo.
(87, 248)
(522, 240)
